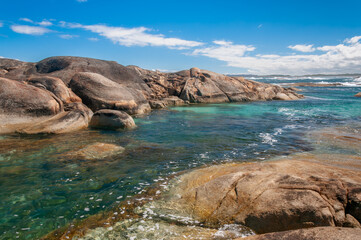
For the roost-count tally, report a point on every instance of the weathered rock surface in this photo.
(25, 108)
(61, 123)
(99, 92)
(112, 119)
(202, 86)
(25, 100)
(358, 94)
(319, 233)
(56, 86)
(97, 151)
(272, 196)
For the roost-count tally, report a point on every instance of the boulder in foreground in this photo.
(319, 233)
(272, 196)
(112, 119)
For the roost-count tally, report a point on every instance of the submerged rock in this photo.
(97, 151)
(99, 92)
(112, 119)
(272, 196)
(319, 233)
(358, 94)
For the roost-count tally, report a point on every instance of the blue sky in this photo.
(259, 37)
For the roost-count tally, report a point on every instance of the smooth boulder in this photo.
(272, 196)
(112, 119)
(21, 99)
(99, 92)
(319, 233)
(56, 86)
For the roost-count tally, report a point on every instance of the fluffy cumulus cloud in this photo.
(341, 58)
(138, 36)
(45, 23)
(30, 30)
(224, 51)
(302, 48)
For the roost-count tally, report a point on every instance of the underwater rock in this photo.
(319, 233)
(358, 94)
(272, 196)
(97, 151)
(112, 119)
(99, 92)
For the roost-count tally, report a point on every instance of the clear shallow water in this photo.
(43, 188)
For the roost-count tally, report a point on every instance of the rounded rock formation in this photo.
(112, 119)
(99, 92)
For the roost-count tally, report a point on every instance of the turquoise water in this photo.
(43, 188)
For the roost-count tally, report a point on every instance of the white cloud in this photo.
(353, 40)
(342, 58)
(93, 39)
(68, 36)
(31, 30)
(26, 20)
(302, 48)
(45, 23)
(224, 51)
(138, 36)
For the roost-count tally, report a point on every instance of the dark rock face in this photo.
(66, 67)
(56, 86)
(99, 92)
(18, 98)
(319, 233)
(112, 119)
(273, 196)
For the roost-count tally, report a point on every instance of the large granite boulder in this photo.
(272, 196)
(112, 119)
(63, 122)
(56, 86)
(29, 109)
(66, 67)
(99, 92)
(17, 98)
(319, 233)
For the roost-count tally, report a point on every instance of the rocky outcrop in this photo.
(112, 119)
(319, 233)
(202, 86)
(358, 94)
(58, 85)
(272, 196)
(99, 92)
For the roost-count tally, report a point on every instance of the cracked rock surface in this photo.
(272, 196)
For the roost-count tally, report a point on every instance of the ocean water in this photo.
(44, 188)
